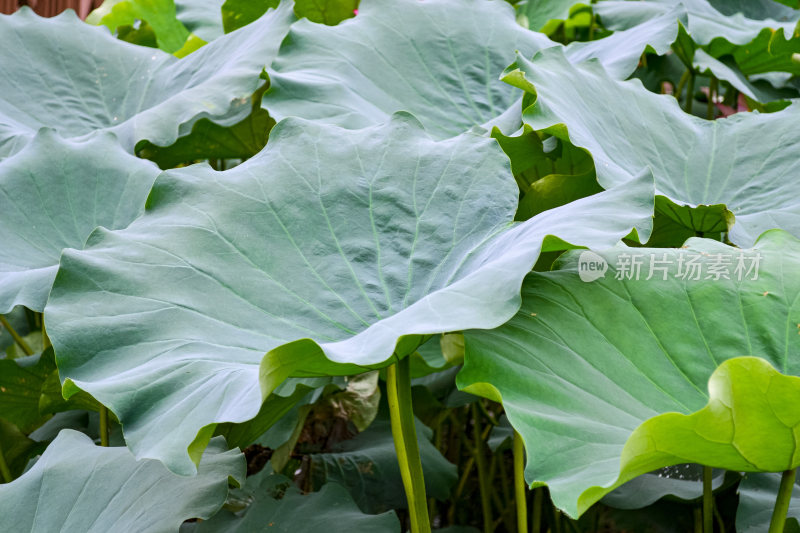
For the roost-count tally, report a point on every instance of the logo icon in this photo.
(591, 266)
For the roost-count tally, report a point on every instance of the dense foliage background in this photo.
(322, 266)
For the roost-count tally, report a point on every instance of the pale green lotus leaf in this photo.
(54, 193)
(332, 251)
(438, 59)
(600, 397)
(93, 489)
(706, 169)
(75, 78)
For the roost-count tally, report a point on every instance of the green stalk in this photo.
(681, 84)
(538, 496)
(398, 386)
(437, 442)
(14, 335)
(103, 426)
(782, 502)
(4, 470)
(708, 501)
(483, 478)
(45, 339)
(519, 484)
(464, 478)
(690, 93)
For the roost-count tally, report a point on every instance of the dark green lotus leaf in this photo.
(757, 90)
(138, 93)
(238, 13)
(133, 495)
(21, 382)
(54, 193)
(367, 466)
(757, 494)
(160, 15)
(501, 435)
(774, 93)
(771, 51)
(17, 450)
(331, 251)
(549, 173)
(535, 14)
(683, 482)
(209, 140)
(588, 389)
(438, 59)
(710, 166)
(293, 393)
(52, 400)
(330, 12)
(276, 505)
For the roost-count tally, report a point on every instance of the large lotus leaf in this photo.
(750, 424)
(276, 505)
(620, 52)
(760, 35)
(695, 162)
(757, 495)
(577, 379)
(737, 22)
(201, 17)
(367, 466)
(437, 59)
(54, 193)
(323, 250)
(84, 80)
(159, 14)
(93, 489)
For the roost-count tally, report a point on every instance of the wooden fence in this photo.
(49, 8)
